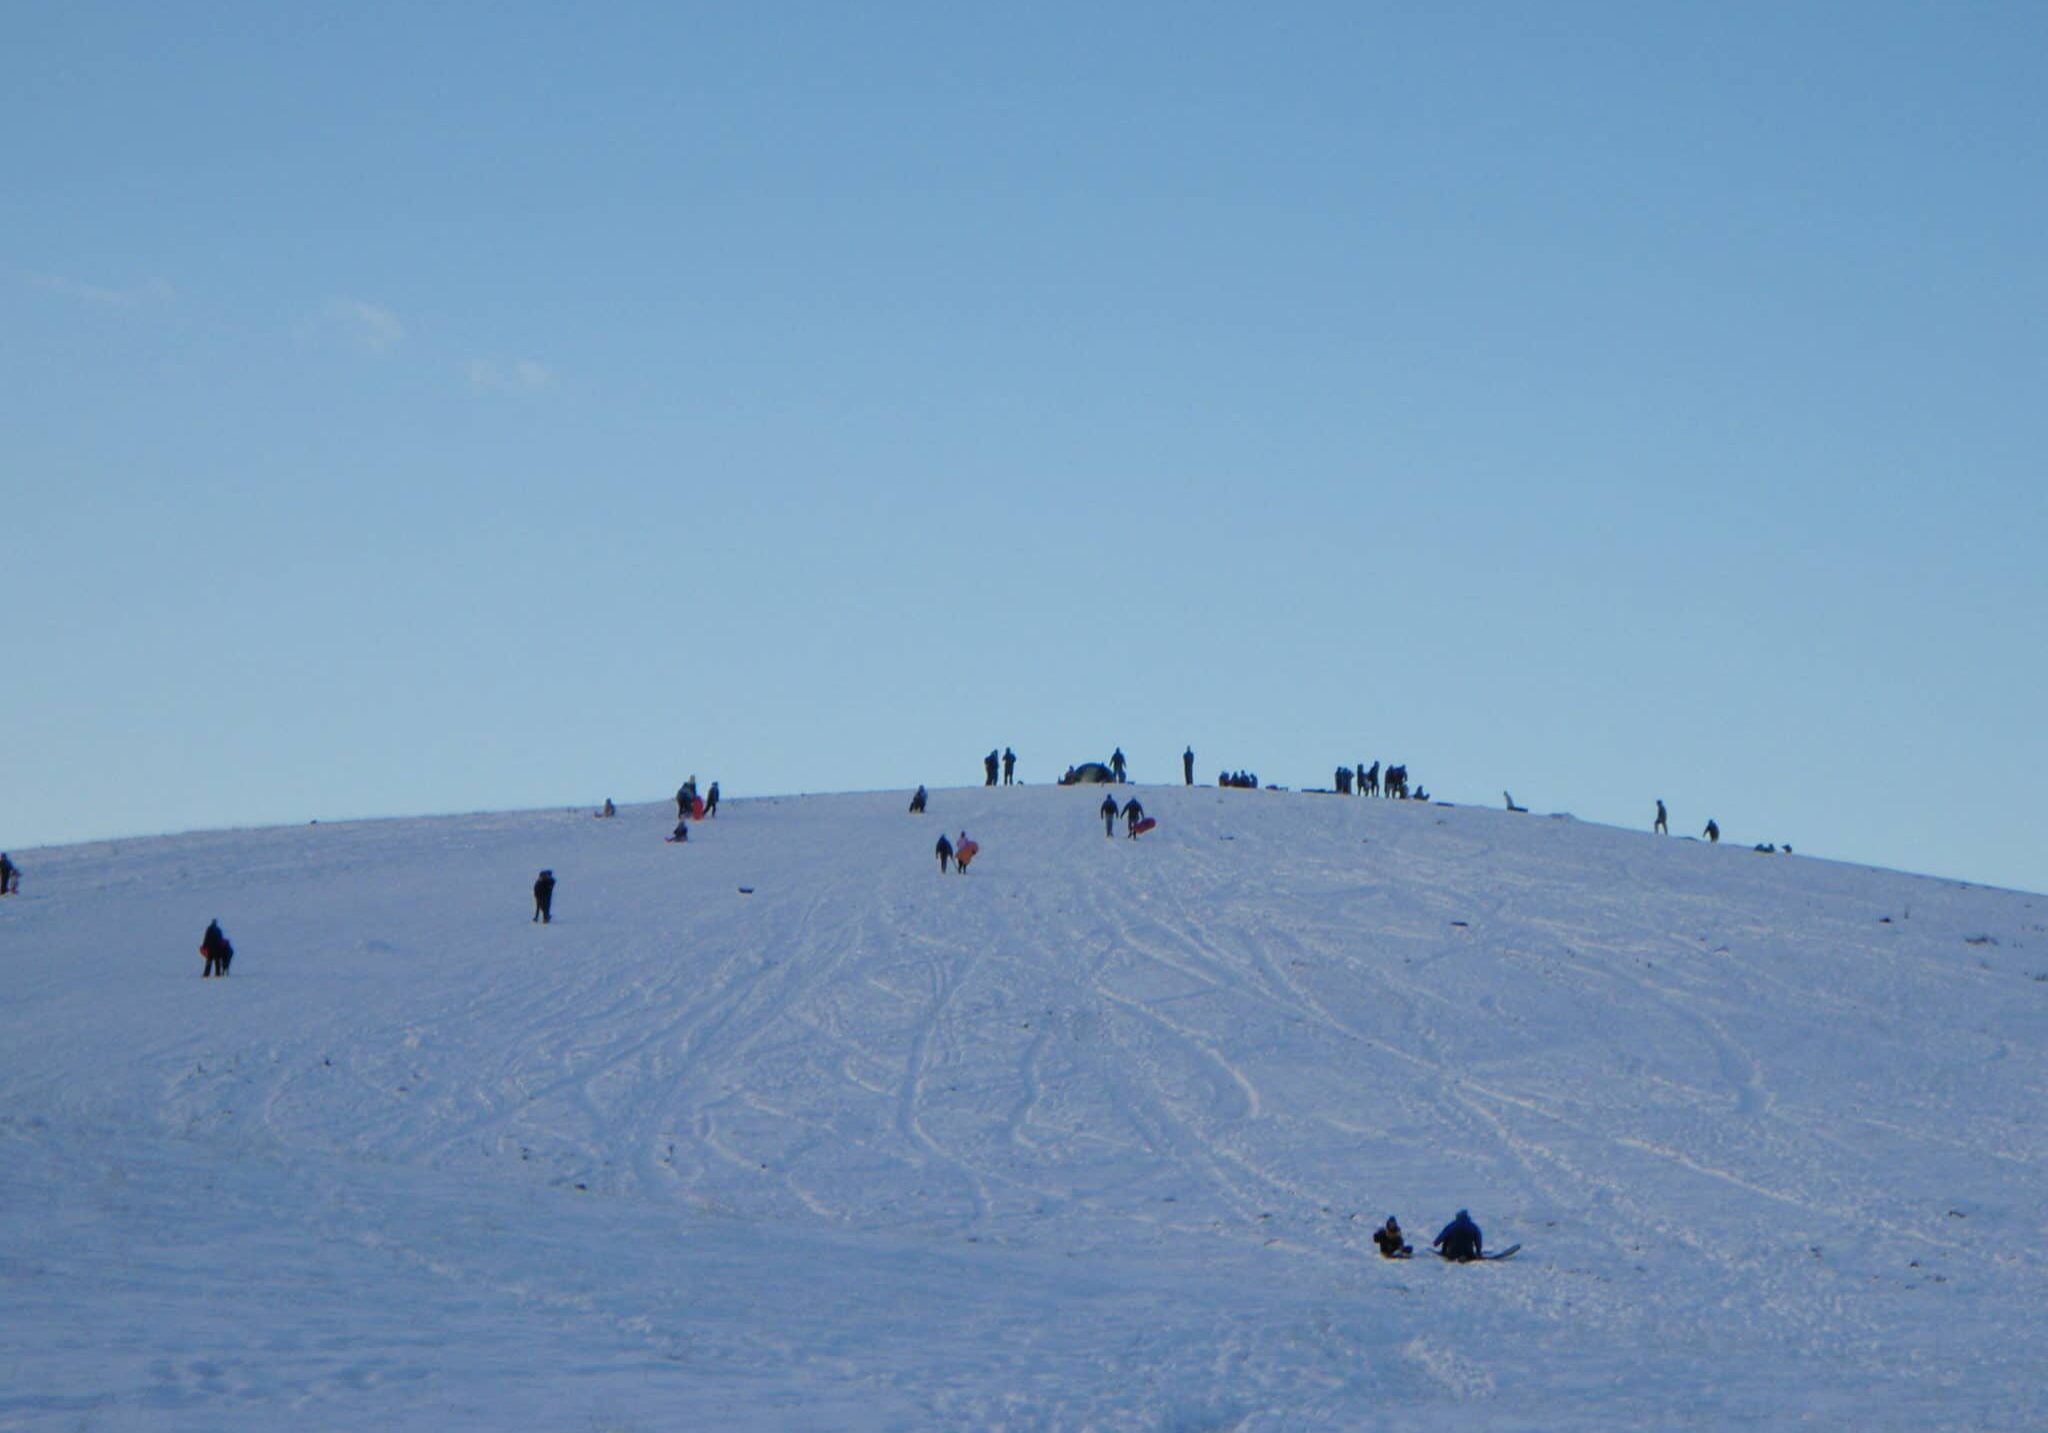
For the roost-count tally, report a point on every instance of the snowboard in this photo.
(1143, 826)
(1507, 1253)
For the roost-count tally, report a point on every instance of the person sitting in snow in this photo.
(917, 802)
(1109, 815)
(1392, 1244)
(680, 834)
(1461, 1240)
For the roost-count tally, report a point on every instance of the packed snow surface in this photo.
(782, 1128)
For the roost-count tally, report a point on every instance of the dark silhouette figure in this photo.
(686, 797)
(1343, 781)
(1116, 764)
(944, 848)
(680, 834)
(1461, 1239)
(988, 769)
(1713, 832)
(1133, 814)
(1662, 827)
(1358, 779)
(10, 875)
(1395, 783)
(1187, 767)
(544, 896)
(1369, 785)
(1009, 766)
(1108, 813)
(608, 810)
(1509, 796)
(711, 800)
(1391, 1243)
(917, 803)
(218, 952)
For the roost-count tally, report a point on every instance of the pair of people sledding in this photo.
(1461, 1241)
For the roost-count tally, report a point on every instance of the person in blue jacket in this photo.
(1461, 1239)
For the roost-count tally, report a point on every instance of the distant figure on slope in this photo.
(1661, 826)
(964, 850)
(1358, 779)
(945, 852)
(1461, 1239)
(544, 897)
(1509, 797)
(1712, 833)
(1370, 786)
(1343, 781)
(218, 952)
(1391, 1243)
(711, 800)
(684, 795)
(1009, 766)
(680, 834)
(1108, 815)
(1187, 767)
(1133, 814)
(607, 810)
(1116, 764)
(988, 768)
(10, 875)
(917, 803)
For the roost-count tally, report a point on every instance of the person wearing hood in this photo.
(544, 898)
(1461, 1240)
(1392, 1244)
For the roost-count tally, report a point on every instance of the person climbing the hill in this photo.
(1133, 814)
(917, 803)
(1391, 1243)
(1461, 1240)
(10, 875)
(1116, 765)
(711, 801)
(214, 945)
(944, 848)
(1109, 815)
(964, 850)
(1713, 832)
(544, 898)
(1661, 827)
(1009, 767)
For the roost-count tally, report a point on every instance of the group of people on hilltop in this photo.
(1007, 761)
(1661, 824)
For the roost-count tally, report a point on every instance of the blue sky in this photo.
(410, 409)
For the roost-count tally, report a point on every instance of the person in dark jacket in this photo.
(10, 876)
(1660, 826)
(1009, 767)
(1187, 767)
(711, 801)
(1461, 1239)
(988, 769)
(683, 794)
(680, 835)
(1713, 832)
(944, 849)
(1391, 1243)
(1116, 764)
(544, 898)
(1133, 814)
(917, 803)
(218, 952)
(1109, 815)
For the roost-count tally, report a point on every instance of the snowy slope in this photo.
(1093, 1136)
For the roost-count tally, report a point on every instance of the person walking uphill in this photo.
(1109, 816)
(10, 875)
(218, 952)
(1133, 814)
(544, 898)
(944, 849)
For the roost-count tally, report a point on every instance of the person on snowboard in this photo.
(1392, 1244)
(944, 848)
(218, 952)
(544, 898)
(1109, 816)
(1461, 1240)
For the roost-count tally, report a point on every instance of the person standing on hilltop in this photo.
(1116, 764)
(988, 769)
(1187, 767)
(917, 802)
(711, 801)
(1009, 767)
(1661, 826)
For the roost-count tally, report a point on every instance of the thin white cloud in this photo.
(490, 375)
(371, 327)
(151, 291)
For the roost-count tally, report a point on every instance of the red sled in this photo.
(696, 808)
(1143, 826)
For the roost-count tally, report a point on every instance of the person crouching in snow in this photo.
(1461, 1240)
(1391, 1243)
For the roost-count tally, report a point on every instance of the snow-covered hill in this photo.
(1093, 1136)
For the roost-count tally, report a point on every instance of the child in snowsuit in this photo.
(218, 952)
(1391, 1244)
(544, 898)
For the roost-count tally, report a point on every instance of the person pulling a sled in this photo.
(1391, 1243)
(218, 952)
(1461, 1242)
